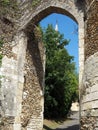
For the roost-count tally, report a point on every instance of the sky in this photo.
(68, 27)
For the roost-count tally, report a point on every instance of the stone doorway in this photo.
(37, 119)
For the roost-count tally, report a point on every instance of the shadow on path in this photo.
(71, 124)
(47, 128)
(73, 127)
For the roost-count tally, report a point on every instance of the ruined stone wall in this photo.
(22, 83)
(91, 25)
(89, 90)
(12, 81)
(32, 104)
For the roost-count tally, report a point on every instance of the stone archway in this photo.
(16, 96)
(36, 120)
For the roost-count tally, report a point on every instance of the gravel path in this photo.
(71, 124)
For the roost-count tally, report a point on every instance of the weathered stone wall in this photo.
(89, 92)
(32, 104)
(91, 25)
(12, 81)
(89, 89)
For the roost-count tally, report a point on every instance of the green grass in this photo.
(50, 124)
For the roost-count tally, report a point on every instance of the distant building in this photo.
(75, 106)
(56, 26)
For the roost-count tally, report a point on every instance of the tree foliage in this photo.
(61, 81)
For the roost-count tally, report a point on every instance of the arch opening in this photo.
(45, 23)
(44, 13)
(29, 29)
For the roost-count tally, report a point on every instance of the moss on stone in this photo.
(9, 8)
(5, 2)
(35, 2)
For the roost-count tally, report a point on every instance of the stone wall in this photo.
(32, 103)
(91, 25)
(12, 81)
(89, 92)
(89, 89)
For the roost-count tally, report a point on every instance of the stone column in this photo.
(21, 49)
(81, 58)
(81, 51)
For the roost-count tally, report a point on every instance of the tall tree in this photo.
(60, 78)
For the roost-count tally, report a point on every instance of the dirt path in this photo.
(71, 124)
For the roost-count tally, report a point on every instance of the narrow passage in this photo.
(72, 123)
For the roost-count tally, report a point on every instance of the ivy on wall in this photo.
(9, 7)
(5, 2)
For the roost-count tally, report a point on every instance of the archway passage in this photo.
(38, 60)
(55, 95)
